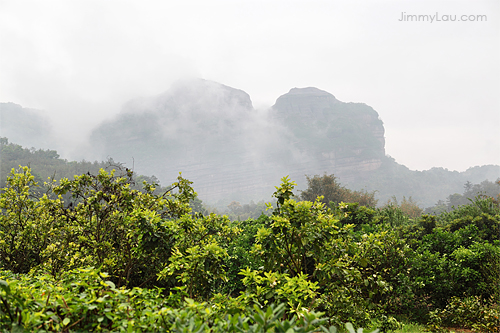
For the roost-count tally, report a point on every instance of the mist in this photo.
(206, 130)
(435, 85)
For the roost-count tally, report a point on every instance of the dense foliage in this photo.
(96, 253)
(44, 163)
(332, 191)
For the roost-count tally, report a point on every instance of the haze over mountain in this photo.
(231, 151)
(27, 127)
(434, 84)
(217, 139)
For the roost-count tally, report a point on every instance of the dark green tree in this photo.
(332, 191)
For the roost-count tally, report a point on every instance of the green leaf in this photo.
(17, 329)
(350, 328)
(5, 286)
(111, 284)
(363, 262)
(66, 321)
(269, 312)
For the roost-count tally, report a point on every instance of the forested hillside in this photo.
(425, 187)
(47, 163)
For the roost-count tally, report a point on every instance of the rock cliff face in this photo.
(195, 116)
(213, 135)
(344, 138)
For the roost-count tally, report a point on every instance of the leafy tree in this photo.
(330, 189)
(24, 226)
(199, 253)
(115, 225)
(457, 253)
(240, 253)
(409, 207)
(307, 240)
(106, 224)
(471, 191)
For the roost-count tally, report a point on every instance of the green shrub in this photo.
(83, 300)
(469, 312)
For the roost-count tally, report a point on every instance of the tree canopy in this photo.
(331, 190)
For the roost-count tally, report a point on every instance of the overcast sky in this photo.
(436, 85)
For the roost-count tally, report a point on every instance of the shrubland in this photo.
(98, 253)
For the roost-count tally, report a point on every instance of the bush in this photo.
(469, 312)
(84, 300)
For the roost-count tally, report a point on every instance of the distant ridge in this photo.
(27, 127)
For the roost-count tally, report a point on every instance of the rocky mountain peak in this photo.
(309, 91)
(304, 101)
(345, 137)
(208, 131)
(209, 94)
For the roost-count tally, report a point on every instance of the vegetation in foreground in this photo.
(95, 253)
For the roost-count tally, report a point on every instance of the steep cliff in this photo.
(344, 138)
(213, 135)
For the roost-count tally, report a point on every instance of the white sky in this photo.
(435, 85)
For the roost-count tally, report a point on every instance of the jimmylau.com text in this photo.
(441, 18)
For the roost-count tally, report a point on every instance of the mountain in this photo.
(212, 134)
(344, 138)
(231, 151)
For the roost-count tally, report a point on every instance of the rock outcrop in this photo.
(343, 138)
(213, 135)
